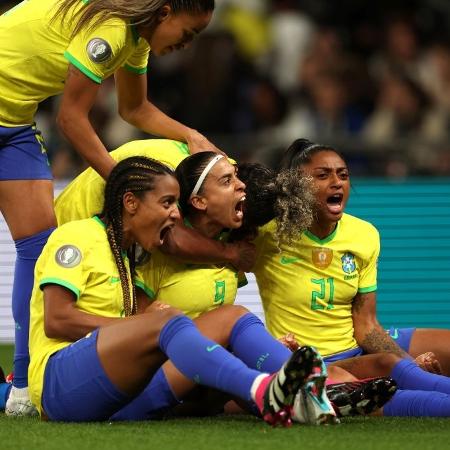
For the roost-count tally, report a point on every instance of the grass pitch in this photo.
(224, 433)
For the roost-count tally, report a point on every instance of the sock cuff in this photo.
(171, 328)
(243, 323)
(31, 246)
(401, 366)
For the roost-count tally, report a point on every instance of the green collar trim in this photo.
(326, 239)
(99, 221)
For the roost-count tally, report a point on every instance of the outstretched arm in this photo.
(188, 245)
(135, 108)
(369, 334)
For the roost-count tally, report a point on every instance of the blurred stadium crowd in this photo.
(370, 78)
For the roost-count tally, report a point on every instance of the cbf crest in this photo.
(322, 257)
(348, 263)
(68, 256)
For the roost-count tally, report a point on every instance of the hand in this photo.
(198, 143)
(428, 361)
(243, 255)
(290, 342)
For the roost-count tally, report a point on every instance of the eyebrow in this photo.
(329, 169)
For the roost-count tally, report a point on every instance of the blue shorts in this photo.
(402, 336)
(23, 155)
(76, 388)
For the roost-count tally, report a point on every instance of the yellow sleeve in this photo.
(93, 51)
(63, 262)
(137, 62)
(368, 273)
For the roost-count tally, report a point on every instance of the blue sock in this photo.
(154, 400)
(409, 376)
(418, 404)
(252, 344)
(4, 393)
(28, 251)
(204, 361)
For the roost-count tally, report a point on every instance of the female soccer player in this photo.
(322, 287)
(48, 47)
(95, 342)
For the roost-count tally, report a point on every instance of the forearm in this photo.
(374, 339)
(78, 130)
(147, 117)
(190, 246)
(75, 325)
(368, 332)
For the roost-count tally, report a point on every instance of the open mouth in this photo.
(164, 232)
(334, 203)
(239, 208)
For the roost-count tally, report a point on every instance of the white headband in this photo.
(204, 174)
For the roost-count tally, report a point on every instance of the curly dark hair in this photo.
(286, 197)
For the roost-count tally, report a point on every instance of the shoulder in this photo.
(166, 151)
(83, 232)
(358, 226)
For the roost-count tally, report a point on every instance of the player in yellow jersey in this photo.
(49, 47)
(323, 288)
(96, 340)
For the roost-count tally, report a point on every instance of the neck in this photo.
(204, 225)
(322, 230)
(127, 236)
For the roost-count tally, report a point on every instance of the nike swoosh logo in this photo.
(212, 347)
(395, 335)
(285, 260)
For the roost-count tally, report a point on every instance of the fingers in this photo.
(289, 341)
(428, 361)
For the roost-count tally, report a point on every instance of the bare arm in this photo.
(73, 119)
(369, 334)
(135, 108)
(188, 245)
(63, 320)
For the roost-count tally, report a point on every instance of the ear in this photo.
(130, 203)
(164, 13)
(199, 202)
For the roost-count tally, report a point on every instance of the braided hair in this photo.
(285, 196)
(137, 175)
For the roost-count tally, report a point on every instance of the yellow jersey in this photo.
(83, 197)
(78, 257)
(307, 288)
(35, 52)
(192, 288)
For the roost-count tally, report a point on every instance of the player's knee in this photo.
(234, 311)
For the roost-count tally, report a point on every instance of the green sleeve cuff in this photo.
(367, 289)
(62, 283)
(82, 68)
(140, 71)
